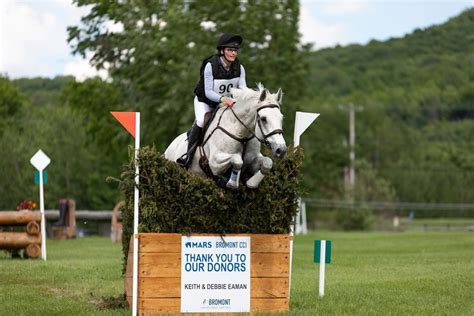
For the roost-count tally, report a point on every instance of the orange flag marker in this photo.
(127, 119)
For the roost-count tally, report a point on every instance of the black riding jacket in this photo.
(215, 81)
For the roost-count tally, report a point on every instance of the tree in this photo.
(157, 55)
(11, 101)
(76, 170)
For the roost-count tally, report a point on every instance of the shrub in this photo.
(355, 219)
(173, 200)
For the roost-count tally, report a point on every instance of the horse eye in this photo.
(264, 120)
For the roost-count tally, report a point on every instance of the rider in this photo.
(219, 73)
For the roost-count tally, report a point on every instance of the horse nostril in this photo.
(278, 151)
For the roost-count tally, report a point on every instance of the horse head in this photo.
(268, 118)
(269, 123)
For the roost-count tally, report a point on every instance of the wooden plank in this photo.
(171, 243)
(269, 305)
(159, 287)
(173, 305)
(19, 217)
(171, 287)
(269, 265)
(270, 243)
(159, 265)
(162, 243)
(269, 287)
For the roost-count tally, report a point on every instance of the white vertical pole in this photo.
(291, 259)
(322, 268)
(135, 218)
(302, 122)
(43, 220)
(296, 141)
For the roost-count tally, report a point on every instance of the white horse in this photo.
(234, 138)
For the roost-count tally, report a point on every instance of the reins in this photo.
(244, 140)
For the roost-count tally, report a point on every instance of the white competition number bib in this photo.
(223, 86)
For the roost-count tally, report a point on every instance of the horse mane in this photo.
(246, 94)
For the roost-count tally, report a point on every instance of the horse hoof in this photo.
(251, 186)
(232, 185)
(255, 180)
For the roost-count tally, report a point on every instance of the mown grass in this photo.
(409, 273)
(413, 273)
(77, 279)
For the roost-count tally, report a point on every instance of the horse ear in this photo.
(263, 95)
(279, 96)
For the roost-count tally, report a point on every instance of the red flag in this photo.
(127, 119)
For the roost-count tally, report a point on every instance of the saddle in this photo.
(208, 118)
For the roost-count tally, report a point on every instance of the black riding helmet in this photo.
(229, 40)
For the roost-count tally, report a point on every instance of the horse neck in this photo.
(246, 115)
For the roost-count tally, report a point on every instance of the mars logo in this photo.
(204, 244)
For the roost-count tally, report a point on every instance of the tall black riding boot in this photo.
(63, 208)
(193, 141)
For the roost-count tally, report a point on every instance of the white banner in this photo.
(215, 274)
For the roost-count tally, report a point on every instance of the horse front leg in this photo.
(236, 162)
(262, 165)
(221, 162)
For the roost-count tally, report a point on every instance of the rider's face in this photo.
(230, 54)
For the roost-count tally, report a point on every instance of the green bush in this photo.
(173, 200)
(355, 219)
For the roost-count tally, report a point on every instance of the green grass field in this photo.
(410, 273)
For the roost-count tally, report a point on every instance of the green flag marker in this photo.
(317, 251)
(37, 177)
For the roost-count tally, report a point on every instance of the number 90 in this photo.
(223, 88)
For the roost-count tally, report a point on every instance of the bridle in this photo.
(258, 121)
(244, 140)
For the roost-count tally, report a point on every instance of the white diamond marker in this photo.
(40, 160)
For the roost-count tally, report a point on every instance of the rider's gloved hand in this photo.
(227, 101)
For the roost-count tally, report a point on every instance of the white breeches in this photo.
(200, 109)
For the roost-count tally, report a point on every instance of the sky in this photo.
(33, 36)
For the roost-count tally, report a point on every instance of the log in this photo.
(33, 251)
(19, 217)
(33, 228)
(14, 240)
